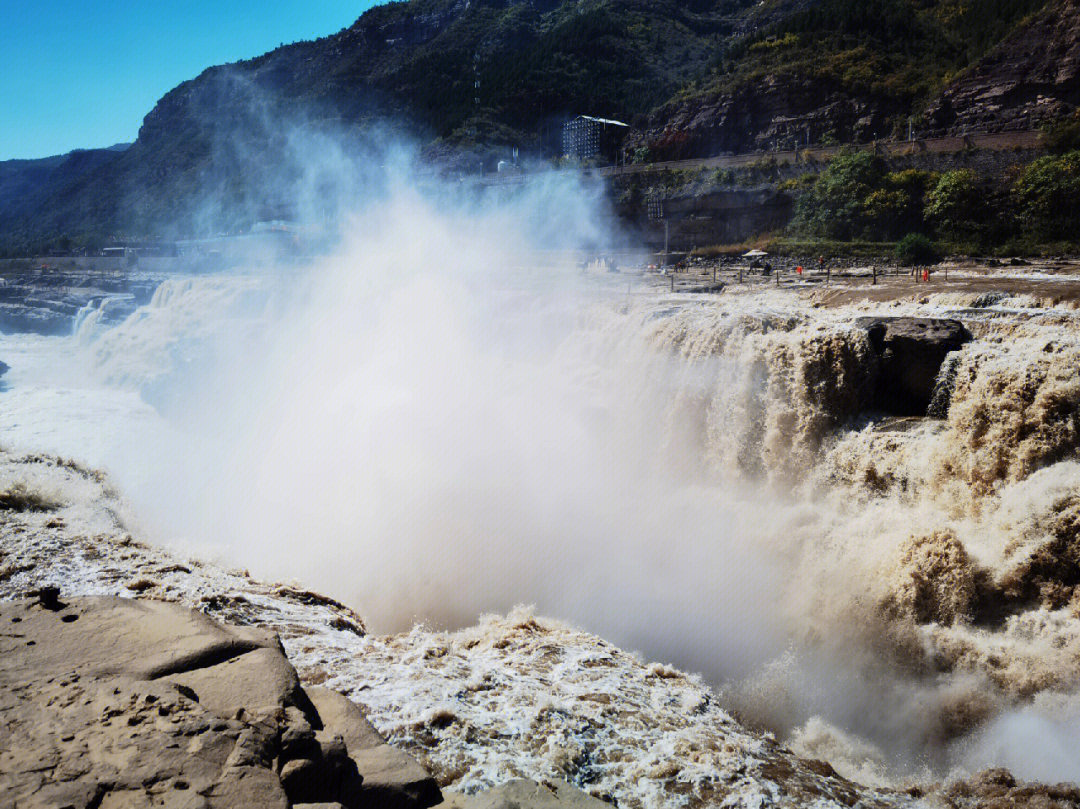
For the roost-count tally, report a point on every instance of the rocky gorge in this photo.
(40, 297)
(347, 480)
(920, 437)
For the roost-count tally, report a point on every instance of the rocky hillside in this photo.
(24, 181)
(26, 184)
(219, 150)
(1030, 80)
(468, 80)
(844, 71)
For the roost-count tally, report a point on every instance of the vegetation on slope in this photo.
(895, 54)
(858, 198)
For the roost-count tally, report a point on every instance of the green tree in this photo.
(896, 207)
(956, 206)
(1047, 196)
(836, 206)
(888, 213)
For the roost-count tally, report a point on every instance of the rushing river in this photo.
(431, 433)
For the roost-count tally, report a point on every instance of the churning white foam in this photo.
(442, 420)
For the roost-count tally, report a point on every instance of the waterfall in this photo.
(705, 480)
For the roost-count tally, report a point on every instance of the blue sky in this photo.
(83, 74)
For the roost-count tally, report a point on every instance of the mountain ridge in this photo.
(469, 80)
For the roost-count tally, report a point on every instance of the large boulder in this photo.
(391, 777)
(110, 702)
(910, 351)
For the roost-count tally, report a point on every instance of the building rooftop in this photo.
(607, 121)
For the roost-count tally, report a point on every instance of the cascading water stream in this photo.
(696, 449)
(426, 434)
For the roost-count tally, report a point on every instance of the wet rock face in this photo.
(109, 702)
(49, 301)
(910, 353)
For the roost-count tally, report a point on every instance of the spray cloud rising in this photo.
(443, 416)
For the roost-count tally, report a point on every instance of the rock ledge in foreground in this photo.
(109, 702)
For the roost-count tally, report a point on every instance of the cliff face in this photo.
(852, 72)
(1031, 79)
(216, 149)
(718, 75)
(503, 71)
(772, 113)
